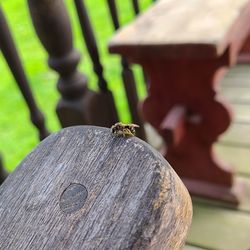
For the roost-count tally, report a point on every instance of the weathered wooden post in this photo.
(78, 104)
(84, 188)
(9, 51)
(128, 78)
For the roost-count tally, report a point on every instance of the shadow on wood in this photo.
(83, 188)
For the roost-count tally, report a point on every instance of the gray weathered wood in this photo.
(84, 188)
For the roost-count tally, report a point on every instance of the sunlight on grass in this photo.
(18, 136)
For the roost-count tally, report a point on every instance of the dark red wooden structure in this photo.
(185, 57)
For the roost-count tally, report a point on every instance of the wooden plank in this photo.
(238, 70)
(207, 27)
(238, 134)
(241, 113)
(237, 76)
(237, 81)
(219, 228)
(237, 95)
(237, 156)
(85, 188)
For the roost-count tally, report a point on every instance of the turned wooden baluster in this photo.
(10, 53)
(128, 78)
(136, 6)
(78, 104)
(137, 11)
(106, 97)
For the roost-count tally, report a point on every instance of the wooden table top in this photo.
(193, 28)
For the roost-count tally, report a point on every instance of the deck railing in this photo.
(8, 48)
(78, 104)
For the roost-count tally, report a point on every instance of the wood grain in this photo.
(178, 28)
(134, 198)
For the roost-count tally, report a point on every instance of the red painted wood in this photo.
(185, 108)
(183, 73)
(183, 105)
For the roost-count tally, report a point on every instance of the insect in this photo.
(124, 130)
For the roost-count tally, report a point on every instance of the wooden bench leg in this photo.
(185, 108)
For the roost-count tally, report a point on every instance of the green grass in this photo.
(17, 135)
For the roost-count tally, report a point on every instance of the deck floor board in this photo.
(219, 228)
(217, 225)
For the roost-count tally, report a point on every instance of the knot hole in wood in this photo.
(73, 198)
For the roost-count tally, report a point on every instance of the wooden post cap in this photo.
(84, 188)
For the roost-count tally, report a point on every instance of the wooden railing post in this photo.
(9, 51)
(105, 95)
(128, 78)
(136, 6)
(84, 188)
(78, 104)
